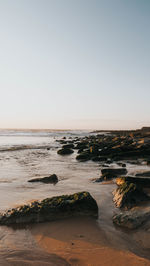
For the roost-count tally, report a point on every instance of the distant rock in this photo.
(50, 209)
(48, 179)
(144, 174)
(68, 146)
(83, 156)
(65, 151)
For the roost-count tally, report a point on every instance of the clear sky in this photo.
(74, 64)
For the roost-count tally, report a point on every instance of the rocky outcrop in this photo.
(131, 219)
(129, 193)
(52, 179)
(55, 208)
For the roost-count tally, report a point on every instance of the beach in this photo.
(72, 241)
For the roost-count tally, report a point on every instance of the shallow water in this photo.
(18, 166)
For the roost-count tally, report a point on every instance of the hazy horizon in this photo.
(80, 64)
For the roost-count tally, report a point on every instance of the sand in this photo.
(81, 242)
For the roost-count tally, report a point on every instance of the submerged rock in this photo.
(131, 219)
(65, 151)
(48, 179)
(50, 209)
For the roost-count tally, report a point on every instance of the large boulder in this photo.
(52, 179)
(55, 208)
(131, 219)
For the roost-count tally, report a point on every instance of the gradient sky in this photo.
(74, 64)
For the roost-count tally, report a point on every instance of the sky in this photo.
(74, 64)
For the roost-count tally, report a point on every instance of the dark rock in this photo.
(140, 181)
(65, 151)
(68, 146)
(109, 173)
(82, 145)
(50, 209)
(131, 219)
(145, 174)
(84, 156)
(80, 151)
(48, 179)
(95, 159)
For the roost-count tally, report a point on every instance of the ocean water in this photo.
(24, 155)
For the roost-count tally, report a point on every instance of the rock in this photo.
(80, 151)
(82, 145)
(128, 194)
(109, 173)
(95, 159)
(140, 181)
(48, 179)
(65, 151)
(68, 146)
(83, 156)
(50, 209)
(145, 174)
(131, 219)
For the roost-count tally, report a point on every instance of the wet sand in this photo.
(81, 242)
(75, 241)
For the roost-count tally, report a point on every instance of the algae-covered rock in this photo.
(128, 194)
(52, 179)
(131, 219)
(140, 181)
(65, 151)
(49, 209)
